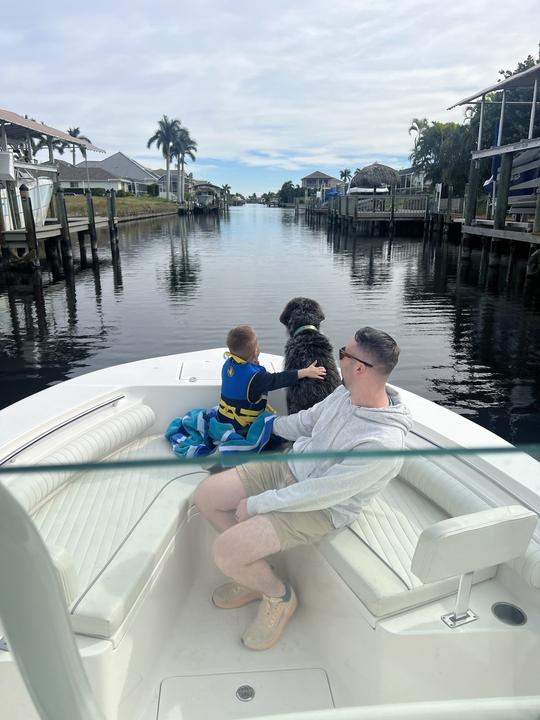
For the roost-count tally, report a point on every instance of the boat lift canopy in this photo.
(526, 79)
(17, 127)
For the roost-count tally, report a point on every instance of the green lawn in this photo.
(125, 206)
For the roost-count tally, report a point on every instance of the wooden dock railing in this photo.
(402, 206)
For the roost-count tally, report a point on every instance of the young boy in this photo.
(245, 384)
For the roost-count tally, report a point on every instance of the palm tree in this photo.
(183, 145)
(345, 175)
(76, 133)
(226, 189)
(164, 137)
(419, 127)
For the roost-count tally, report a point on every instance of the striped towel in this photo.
(200, 434)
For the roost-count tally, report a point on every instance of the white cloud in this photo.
(279, 85)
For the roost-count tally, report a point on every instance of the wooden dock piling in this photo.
(30, 225)
(91, 223)
(62, 216)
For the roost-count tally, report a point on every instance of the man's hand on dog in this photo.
(313, 371)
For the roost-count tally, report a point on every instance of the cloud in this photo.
(275, 86)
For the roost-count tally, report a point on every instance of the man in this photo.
(262, 508)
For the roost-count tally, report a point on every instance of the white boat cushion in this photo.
(448, 492)
(466, 543)
(374, 554)
(115, 524)
(65, 571)
(93, 445)
(106, 529)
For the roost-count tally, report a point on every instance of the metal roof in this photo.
(17, 126)
(523, 79)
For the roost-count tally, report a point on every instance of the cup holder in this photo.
(509, 613)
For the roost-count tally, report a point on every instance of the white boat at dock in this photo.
(115, 567)
(40, 190)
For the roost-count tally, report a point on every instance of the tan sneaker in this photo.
(268, 626)
(232, 595)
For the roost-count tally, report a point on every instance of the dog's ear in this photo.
(287, 310)
(317, 309)
(313, 308)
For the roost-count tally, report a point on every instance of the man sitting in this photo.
(262, 508)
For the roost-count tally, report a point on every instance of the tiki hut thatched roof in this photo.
(375, 175)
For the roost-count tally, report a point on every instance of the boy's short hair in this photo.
(380, 346)
(242, 341)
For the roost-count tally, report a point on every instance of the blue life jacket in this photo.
(234, 406)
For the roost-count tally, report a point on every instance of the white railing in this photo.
(402, 204)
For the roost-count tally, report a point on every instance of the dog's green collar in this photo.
(304, 327)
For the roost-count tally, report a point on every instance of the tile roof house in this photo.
(318, 180)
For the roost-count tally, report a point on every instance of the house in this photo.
(121, 166)
(189, 183)
(413, 180)
(76, 177)
(319, 180)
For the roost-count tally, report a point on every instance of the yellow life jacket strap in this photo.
(236, 358)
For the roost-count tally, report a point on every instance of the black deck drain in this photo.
(509, 613)
(245, 693)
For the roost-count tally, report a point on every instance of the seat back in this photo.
(463, 544)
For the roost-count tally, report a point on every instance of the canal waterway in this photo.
(470, 340)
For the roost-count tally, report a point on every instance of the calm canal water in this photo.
(180, 284)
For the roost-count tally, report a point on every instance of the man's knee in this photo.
(202, 495)
(224, 554)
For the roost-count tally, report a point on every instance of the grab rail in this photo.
(51, 430)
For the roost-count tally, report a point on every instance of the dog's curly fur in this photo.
(305, 348)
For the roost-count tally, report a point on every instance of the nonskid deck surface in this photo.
(205, 657)
(404, 660)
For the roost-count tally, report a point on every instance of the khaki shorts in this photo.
(292, 528)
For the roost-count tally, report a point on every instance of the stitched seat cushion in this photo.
(116, 524)
(374, 554)
(93, 445)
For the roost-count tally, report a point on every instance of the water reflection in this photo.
(469, 331)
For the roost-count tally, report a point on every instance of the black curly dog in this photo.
(302, 318)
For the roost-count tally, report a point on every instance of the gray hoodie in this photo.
(341, 487)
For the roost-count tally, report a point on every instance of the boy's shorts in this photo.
(292, 528)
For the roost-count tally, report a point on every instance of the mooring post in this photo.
(392, 211)
(536, 224)
(4, 251)
(91, 222)
(82, 249)
(499, 216)
(111, 214)
(30, 225)
(52, 253)
(448, 214)
(65, 239)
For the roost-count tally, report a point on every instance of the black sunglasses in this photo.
(344, 354)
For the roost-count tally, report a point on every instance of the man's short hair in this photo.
(242, 341)
(382, 348)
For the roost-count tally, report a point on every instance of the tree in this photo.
(289, 192)
(345, 175)
(76, 133)
(418, 126)
(443, 152)
(226, 189)
(164, 138)
(183, 145)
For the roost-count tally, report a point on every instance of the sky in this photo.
(270, 91)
